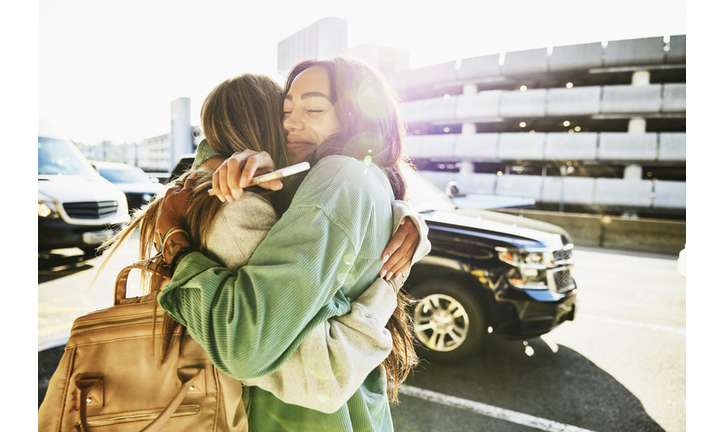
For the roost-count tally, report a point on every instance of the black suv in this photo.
(487, 274)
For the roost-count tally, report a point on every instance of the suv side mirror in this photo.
(452, 190)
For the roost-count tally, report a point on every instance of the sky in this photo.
(108, 70)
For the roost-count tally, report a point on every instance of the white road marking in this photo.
(671, 329)
(489, 410)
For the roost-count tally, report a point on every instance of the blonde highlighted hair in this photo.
(240, 113)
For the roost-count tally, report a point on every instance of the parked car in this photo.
(76, 206)
(488, 274)
(184, 164)
(139, 187)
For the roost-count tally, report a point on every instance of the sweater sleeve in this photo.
(337, 355)
(251, 321)
(238, 229)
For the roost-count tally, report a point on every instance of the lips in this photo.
(296, 144)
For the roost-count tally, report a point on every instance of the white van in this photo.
(76, 206)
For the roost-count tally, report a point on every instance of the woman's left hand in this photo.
(398, 253)
(172, 211)
(236, 172)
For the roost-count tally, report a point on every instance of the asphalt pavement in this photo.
(619, 366)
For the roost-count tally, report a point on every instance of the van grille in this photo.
(91, 210)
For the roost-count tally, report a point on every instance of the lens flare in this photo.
(371, 101)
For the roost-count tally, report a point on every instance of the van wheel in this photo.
(449, 321)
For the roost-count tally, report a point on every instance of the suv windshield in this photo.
(60, 157)
(124, 175)
(424, 196)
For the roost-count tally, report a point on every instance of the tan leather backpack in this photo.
(108, 379)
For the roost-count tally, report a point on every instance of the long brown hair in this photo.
(240, 113)
(368, 113)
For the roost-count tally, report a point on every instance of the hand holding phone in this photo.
(274, 175)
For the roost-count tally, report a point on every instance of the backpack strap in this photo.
(153, 265)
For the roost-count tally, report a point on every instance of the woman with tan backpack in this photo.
(336, 356)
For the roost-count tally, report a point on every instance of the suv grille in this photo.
(563, 279)
(91, 210)
(562, 255)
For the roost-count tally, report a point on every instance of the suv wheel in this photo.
(449, 321)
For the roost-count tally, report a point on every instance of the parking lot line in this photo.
(489, 410)
(681, 331)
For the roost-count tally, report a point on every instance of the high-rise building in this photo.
(324, 38)
(328, 37)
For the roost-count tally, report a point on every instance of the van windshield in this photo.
(124, 174)
(61, 157)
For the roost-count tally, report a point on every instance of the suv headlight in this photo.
(529, 268)
(44, 210)
(537, 260)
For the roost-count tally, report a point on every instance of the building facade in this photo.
(593, 128)
(597, 127)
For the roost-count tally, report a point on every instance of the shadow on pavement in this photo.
(47, 363)
(551, 382)
(56, 266)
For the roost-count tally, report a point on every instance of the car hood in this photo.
(140, 187)
(515, 230)
(75, 188)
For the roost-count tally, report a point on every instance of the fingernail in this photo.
(221, 197)
(402, 222)
(385, 258)
(397, 275)
(383, 273)
(236, 193)
(229, 198)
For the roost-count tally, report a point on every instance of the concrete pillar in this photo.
(637, 125)
(470, 89)
(632, 172)
(469, 129)
(181, 140)
(642, 77)
(466, 167)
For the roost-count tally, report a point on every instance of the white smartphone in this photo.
(274, 175)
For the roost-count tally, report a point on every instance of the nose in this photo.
(290, 122)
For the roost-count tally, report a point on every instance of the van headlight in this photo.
(44, 210)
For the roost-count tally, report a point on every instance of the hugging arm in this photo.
(252, 320)
(337, 356)
(232, 174)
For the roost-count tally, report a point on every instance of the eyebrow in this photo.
(310, 95)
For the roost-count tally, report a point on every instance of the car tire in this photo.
(449, 321)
